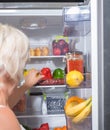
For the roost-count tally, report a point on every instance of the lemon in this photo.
(25, 72)
(74, 78)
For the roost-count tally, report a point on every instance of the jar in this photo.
(60, 45)
(75, 61)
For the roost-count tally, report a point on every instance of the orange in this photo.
(64, 128)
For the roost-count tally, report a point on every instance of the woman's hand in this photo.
(32, 78)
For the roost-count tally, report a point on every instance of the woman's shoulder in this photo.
(8, 119)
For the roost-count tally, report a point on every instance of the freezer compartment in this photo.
(86, 124)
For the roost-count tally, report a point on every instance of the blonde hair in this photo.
(14, 51)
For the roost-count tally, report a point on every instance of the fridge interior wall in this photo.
(44, 35)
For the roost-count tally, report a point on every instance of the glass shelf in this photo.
(29, 113)
(46, 57)
(53, 89)
(50, 86)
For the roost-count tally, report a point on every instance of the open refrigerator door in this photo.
(78, 106)
(59, 38)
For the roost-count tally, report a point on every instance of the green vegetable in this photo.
(58, 73)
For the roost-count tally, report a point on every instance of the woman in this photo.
(14, 52)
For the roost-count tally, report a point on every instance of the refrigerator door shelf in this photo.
(77, 13)
(85, 84)
(86, 124)
(76, 28)
(53, 121)
(76, 20)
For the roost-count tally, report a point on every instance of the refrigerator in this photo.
(100, 82)
(85, 28)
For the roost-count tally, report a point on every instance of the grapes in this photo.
(61, 47)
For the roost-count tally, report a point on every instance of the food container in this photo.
(36, 101)
(51, 82)
(86, 124)
(39, 51)
(55, 104)
(75, 61)
(60, 45)
(40, 48)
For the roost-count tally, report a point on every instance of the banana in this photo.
(75, 110)
(83, 115)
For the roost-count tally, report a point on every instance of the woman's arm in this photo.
(8, 120)
(32, 78)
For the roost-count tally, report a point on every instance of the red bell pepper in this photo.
(46, 72)
(36, 129)
(44, 126)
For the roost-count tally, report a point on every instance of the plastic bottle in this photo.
(44, 105)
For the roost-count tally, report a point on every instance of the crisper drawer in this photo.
(53, 121)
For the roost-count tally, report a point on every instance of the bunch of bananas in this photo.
(79, 112)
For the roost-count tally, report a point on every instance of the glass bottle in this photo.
(75, 61)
